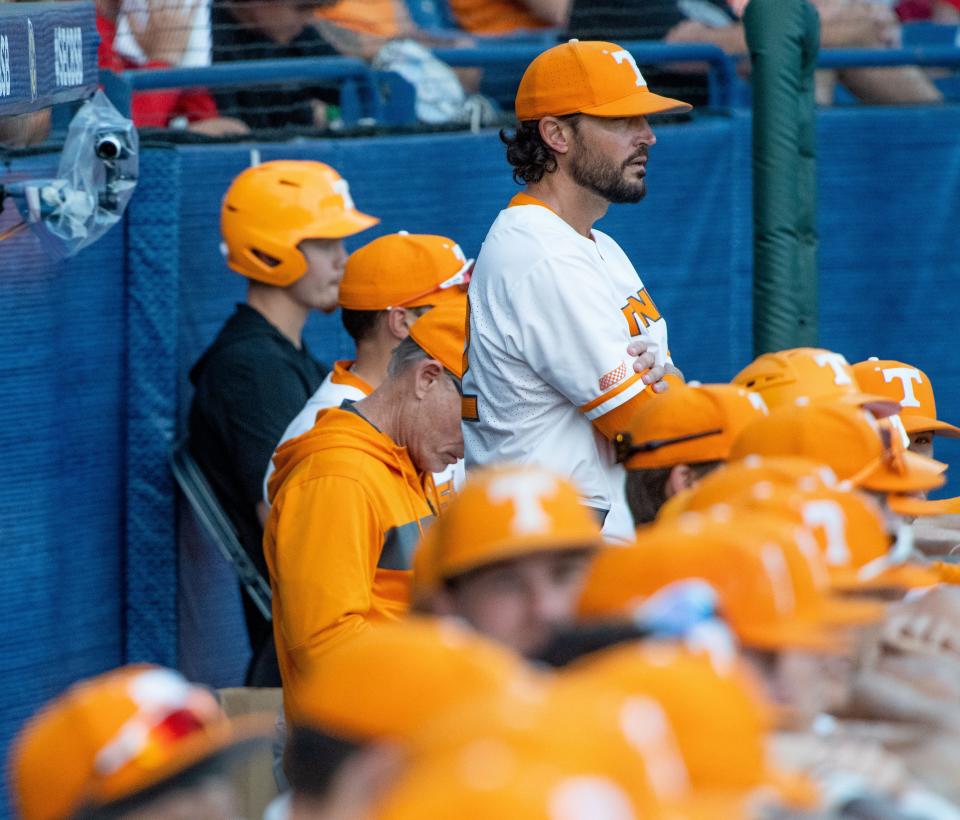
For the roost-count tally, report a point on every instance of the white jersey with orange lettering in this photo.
(548, 378)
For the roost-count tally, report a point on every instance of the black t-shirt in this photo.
(268, 106)
(249, 385)
(624, 20)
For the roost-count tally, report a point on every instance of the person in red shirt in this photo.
(159, 109)
(936, 11)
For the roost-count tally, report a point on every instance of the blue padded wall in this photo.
(889, 220)
(61, 435)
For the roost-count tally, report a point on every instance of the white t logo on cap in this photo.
(828, 517)
(343, 189)
(907, 376)
(623, 56)
(526, 491)
(757, 401)
(837, 364)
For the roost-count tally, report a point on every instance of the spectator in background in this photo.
(162, 38)
(181, 26)
(946, 12)
(844, 23)
(283, 225)
(508, 16)
(262, 30)
(361, 28)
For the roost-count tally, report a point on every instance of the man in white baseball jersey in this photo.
(565, 341)
(386, 285)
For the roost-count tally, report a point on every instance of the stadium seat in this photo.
(195, 488)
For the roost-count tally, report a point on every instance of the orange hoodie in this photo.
(348, 508)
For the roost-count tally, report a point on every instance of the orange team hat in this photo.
(850, 530)
(910, 387)
(810, 373)
(111, 737)
(686, 425)
(729, 480)
(404, 270)
(710, 706)
(442, 333)
(603, 753)
(449, 663)
(271, 208)
(772, 587)
(502, 513)
(858, 448)
(591, 77)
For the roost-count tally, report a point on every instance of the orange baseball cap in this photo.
(858, 448)
(502, 513)
(809, 373)
(111, 737)
(910, 388)
(442, 333)
(404, 270)
(728, 481)
(584, 734)
(686, 425)
(709, 707)
(772, 587)
(850, 530)
(345, 694)
(590, 77)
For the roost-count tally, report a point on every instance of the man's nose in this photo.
(644, 133)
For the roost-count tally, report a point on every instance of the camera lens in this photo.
(109, 147)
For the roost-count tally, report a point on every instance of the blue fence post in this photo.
(153, 275)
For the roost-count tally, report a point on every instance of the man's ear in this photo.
(398, 323)
(681, 478)
(428, 373)
(556, 134)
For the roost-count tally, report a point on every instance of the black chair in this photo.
(215, 523)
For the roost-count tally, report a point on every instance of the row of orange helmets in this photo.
(809, 508)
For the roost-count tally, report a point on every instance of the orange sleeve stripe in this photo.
(618, 419)
(468, 408)
(616, 390)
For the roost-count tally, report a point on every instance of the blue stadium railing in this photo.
(386, 98)
(365, 94)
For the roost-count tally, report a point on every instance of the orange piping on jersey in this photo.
(342, 375)
(618, 419)
(525, 199)
(613, 391)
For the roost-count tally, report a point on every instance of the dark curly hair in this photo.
(528, 153)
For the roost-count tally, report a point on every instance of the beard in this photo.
(605, 177)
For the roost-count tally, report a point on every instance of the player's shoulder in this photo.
(528, 242)
(537, 224)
